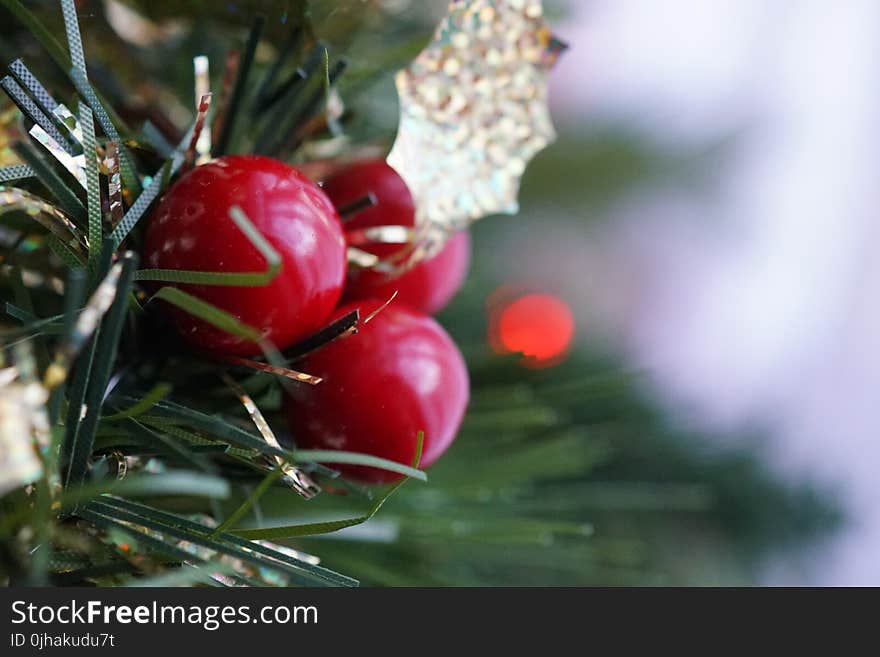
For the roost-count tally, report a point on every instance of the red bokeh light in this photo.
(538, 326)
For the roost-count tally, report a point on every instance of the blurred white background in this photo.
(758, 305)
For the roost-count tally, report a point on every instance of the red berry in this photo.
(398, 375)
(428, 286)
(191, 229)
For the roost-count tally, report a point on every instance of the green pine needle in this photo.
(150, 399)
(80, 447)
(316, 528)
(251, 501)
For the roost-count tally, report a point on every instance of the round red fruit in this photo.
(191, 230)
(430, 285)
(398, 375)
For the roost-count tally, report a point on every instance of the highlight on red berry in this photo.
(398, 375)
(431, 284)
(191, 230)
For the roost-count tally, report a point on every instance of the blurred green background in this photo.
(571, 475)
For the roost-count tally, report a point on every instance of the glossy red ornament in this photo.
(191, 229)
(399, 374)
(431, 284)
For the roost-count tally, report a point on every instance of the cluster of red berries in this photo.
(399, 375)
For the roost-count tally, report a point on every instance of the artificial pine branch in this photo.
(561, 477)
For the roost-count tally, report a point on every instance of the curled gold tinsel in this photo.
(193, 149)
(202, 89)
(75, 165)
(473, 113)
(114, 184)
(292, 476)
(47, 215)
(224, 568)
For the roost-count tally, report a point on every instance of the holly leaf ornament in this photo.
(473, 113)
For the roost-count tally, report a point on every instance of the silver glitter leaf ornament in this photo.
(473, 113)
